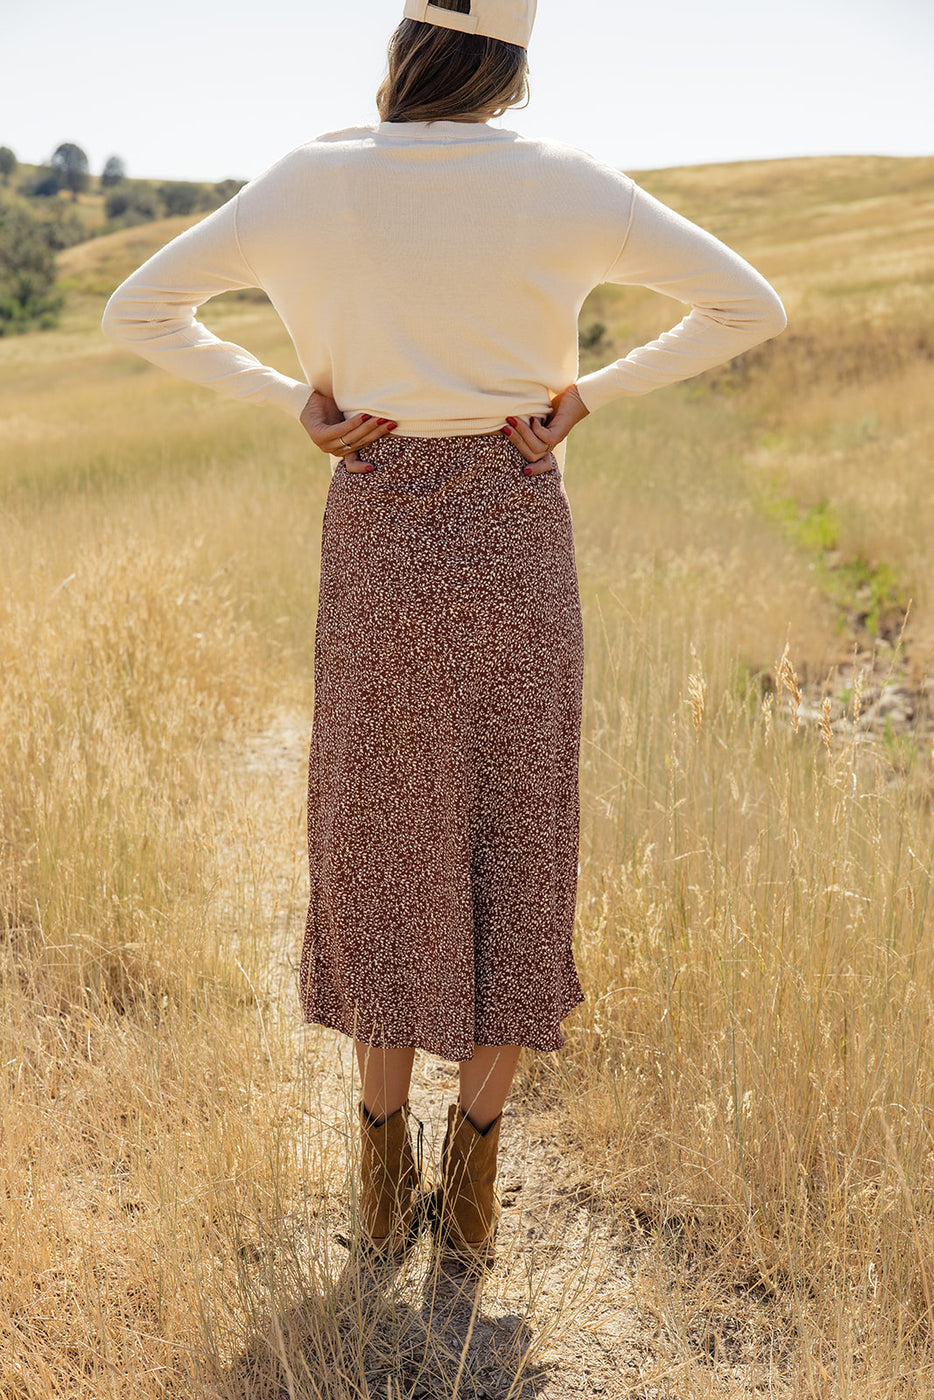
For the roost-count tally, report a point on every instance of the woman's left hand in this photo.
(339, 436)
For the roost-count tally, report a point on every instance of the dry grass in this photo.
(756, 934)
(743, 1107)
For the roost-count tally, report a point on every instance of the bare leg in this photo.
(384, 1075)
(485, 1082)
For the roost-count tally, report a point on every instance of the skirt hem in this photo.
(546, 1045)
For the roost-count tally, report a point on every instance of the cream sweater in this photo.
(433, 274)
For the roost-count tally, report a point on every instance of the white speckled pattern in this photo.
(443, 802)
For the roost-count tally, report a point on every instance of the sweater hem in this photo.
(445, 427)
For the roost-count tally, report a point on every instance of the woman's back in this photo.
(433, 273)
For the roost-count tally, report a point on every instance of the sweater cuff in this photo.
(294, 396)
(601, 387)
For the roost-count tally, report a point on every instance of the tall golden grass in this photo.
(749, 1083)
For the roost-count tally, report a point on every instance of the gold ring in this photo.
(346, 444)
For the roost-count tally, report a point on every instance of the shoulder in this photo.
(576, 172)
(561, 158)
(563, 153)
(346, 135)
(304, 169)
(328, 149)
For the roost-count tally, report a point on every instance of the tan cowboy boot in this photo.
(467, 1204)
(392, 1195)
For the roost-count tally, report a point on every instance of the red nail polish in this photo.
(508, 432)
(393, 426)
(513, 422)
(381, 421)
(367, 417)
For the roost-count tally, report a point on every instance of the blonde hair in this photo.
(440, 74)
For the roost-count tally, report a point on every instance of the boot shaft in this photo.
(470, 1204)
(388, 1175)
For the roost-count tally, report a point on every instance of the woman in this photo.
(430, 271)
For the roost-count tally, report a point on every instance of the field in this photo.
(726, 1176)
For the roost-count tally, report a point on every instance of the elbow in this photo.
(112, 321)
(773, 318)
(776, 317)
(135, 315)
(127, 316)
(758, 316)
(756, 319)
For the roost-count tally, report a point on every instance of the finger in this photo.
(532, 441)
(530, 454)
(353, 464)
(371, 432)
(536, 462)
(347, 435)
(358, 432)
(536, 437)
(518, 436)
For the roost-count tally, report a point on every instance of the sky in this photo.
(216, 89)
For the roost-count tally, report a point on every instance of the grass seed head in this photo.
(826, 732)
(788, 680)
(859, 682)
(697, 693)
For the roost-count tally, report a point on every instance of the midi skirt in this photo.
(443, 798)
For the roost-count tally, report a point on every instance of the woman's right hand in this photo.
(539, 437)
(339, 436)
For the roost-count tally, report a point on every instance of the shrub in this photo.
(64, 227)
(593, 337)
(45, 184)
(27, 271)
(181, 196)
(132, 205)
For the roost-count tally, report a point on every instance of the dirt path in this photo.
(575, 1304)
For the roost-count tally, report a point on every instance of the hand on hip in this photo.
(540, 436)
(339, 436)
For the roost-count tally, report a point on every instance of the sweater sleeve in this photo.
(153, 314)
(732, 306)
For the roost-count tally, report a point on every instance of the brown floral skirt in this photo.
(443, 801)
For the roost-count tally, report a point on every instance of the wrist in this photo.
(577, 398)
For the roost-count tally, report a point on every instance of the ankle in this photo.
(376, 1120)
(481, 1125)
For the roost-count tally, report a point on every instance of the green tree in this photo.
(8, 164)
(114, 171)
(71, 166)
(27, 271)
(181, 196)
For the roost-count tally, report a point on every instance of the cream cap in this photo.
(509, 20)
